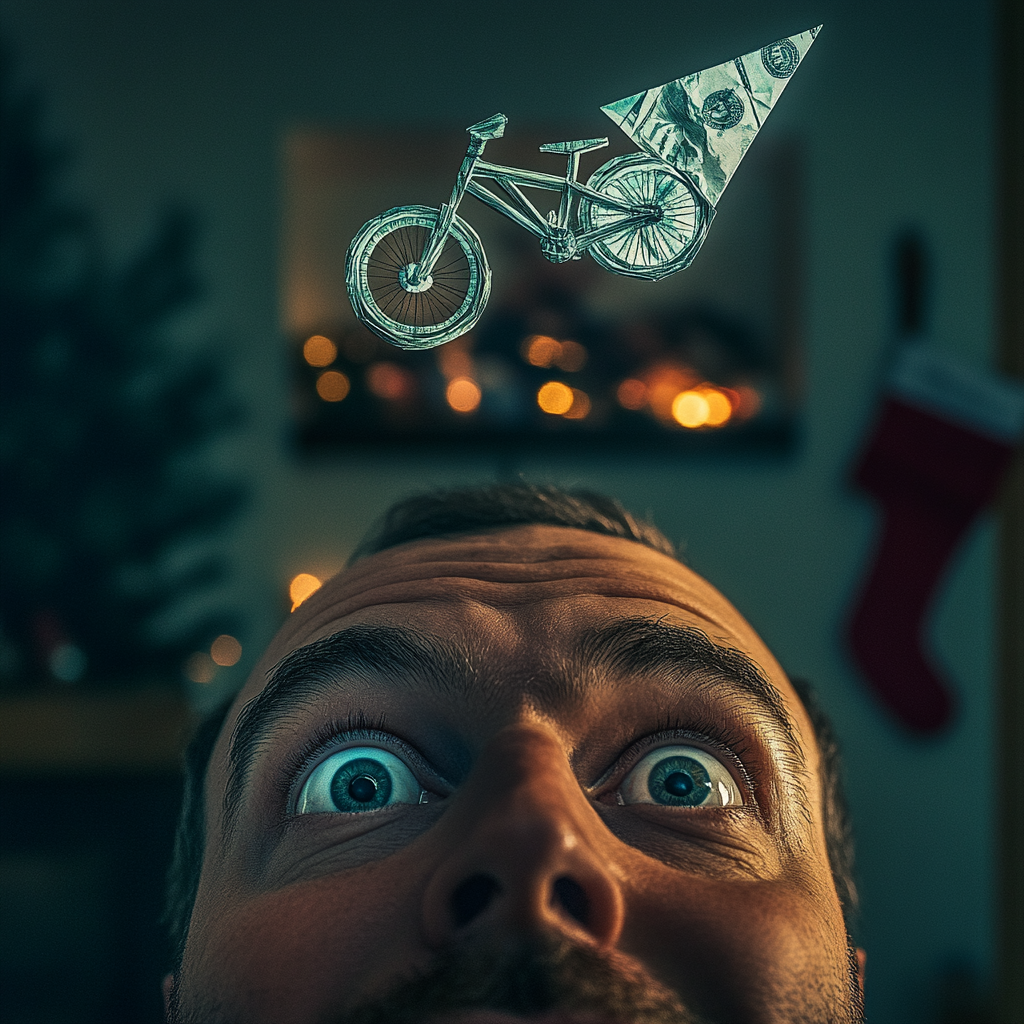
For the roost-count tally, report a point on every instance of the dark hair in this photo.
(475, 509)
(472, 510)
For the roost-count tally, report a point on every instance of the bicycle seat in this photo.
(581, 146)
(492, 128)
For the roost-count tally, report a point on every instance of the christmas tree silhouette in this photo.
(104, 419)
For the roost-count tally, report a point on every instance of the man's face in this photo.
(503, 776)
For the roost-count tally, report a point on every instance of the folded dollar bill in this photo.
(702, 124)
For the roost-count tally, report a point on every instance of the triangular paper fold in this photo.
(703, 124)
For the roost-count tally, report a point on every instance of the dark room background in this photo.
(893, 114)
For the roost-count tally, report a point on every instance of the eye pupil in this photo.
(679, 781)
(679, 784)
(362, 789)
(360, 785)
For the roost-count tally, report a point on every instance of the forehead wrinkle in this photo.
(415, 571)
(441, 589)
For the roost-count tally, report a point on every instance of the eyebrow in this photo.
(642, 646)
(628, 646)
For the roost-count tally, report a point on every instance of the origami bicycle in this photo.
(418, 276)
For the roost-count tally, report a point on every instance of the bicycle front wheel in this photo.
(444, 306)
(660, 247)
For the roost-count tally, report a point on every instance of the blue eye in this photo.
(680, 776)
(358, 779)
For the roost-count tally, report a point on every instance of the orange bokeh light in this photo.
(199, 667)
(632, 394)
(580, 407)
(319, 351)
(390, 381)
(540, 350)
(572, 356)
(665, 382)
(748, 402)
(555, 398)
(463, 394)
(226, 650)
(454, 362)
(719, 407)
(301, 587)
(690, 409)
(332, 386)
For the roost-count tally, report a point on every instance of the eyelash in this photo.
(325, 736)
(359, 726)
(723, 740)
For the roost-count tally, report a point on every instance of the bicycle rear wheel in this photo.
(445, 306)
(658, 248)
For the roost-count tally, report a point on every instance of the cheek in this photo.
(300, 953)
(735, 950)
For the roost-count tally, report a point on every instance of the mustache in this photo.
(532, 976)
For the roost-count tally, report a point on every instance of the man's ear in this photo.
(862, 959)
(168, 987)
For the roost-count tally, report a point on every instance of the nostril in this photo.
(472, 897)
(572, 898)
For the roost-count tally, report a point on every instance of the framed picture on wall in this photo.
(565, 354)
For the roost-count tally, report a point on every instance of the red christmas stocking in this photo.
(944, 439)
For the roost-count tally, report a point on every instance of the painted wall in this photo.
(191, 100)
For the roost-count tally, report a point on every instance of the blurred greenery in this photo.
(109, 504)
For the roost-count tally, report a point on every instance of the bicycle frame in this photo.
(521, 211)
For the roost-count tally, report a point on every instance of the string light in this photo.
(463, 394)
(199, 668)
(580, 407)
(719, 407)
(632, 394)
(555, 398)
(544, 351)
(540, 350)
(572, 356)
(332, 386)
(319, 351)
(301, 587)
(225, 651)
(390, 381)
(690, 409)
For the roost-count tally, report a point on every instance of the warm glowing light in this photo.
(555, 398)
(632, 394)
(690, 409)
(463, 394)
(225, 650)
(540, 350)
(454, 361)
(580, 405)
(664, 382)
(199, 667)
(390, 381)
(748, 402)
(319, 351)
(301, 587)
(719, 407)
(572, 356)
(332, 386)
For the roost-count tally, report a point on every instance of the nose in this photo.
(525, 851)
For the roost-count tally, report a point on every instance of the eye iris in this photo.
(679, 781)
(361, 785)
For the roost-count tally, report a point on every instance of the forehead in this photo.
(517, 588)
(515, 598)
